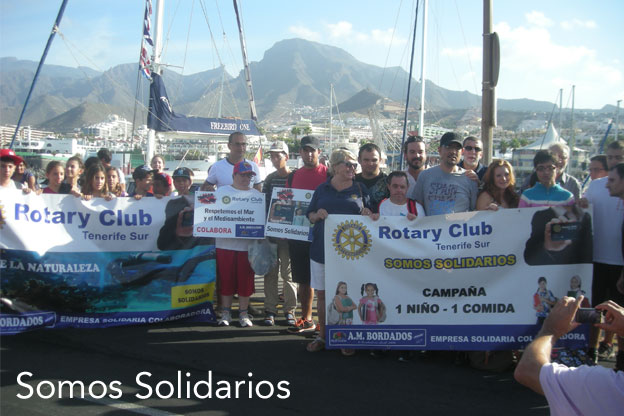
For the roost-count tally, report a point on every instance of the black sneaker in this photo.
(302, 326)
(605, 351)
(592, 357)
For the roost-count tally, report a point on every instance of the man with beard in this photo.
(445, 189)
(416, 158)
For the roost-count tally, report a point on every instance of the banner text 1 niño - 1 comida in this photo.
(66, 262)
(472, 281)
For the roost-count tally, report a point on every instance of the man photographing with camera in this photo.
(582, 390)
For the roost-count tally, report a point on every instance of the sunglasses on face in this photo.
(351, 165)
(471, 148)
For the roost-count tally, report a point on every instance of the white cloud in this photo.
(539, 66)
(341, 29)
(386, 37)
(577, 23)
(536, 18)
(305, 33)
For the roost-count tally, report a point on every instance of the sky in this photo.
(545, 45)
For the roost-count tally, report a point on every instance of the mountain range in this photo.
(293, 72)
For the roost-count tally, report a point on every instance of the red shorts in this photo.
(234, 273)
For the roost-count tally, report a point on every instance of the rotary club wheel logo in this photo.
(351, 239)
(226, 199)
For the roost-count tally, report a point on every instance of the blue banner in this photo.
(66, 262)
(161, 116)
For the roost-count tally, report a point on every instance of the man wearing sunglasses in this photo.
(473, 151)
(446, 188)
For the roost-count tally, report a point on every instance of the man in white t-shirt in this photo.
(220, 173)
(234, 273)
(398, 204)
(584, 390)
(607, 218)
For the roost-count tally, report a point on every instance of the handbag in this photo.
(262, 256)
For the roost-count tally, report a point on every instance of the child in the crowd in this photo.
(158, 164)
(160, 185)
(24, 176)
(8, 163)
(143, 177)
(183, 180)
(112, 180)
(73, 171)
(95, 184)
(55, 173)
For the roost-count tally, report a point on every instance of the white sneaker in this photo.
(226, 318)
(245, 321)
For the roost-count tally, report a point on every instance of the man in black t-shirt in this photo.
(369, 158)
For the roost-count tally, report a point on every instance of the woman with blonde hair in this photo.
(339, 195)
(498, 187)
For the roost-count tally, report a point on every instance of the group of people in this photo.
(455, 185)
(93, 178)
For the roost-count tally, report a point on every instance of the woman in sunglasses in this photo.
(339, 195)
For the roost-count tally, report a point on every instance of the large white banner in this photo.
(66, 262)
(471, 281)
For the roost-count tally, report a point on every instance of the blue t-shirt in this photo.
(349, 201)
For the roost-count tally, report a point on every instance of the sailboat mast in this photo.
(331, 117)
(409, 85)
(423, 55)
(252, 102)
(560, 108)
(160, 7)
(57, 22)
(572, 134)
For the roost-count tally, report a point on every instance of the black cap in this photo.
(310, 141)
(451, 137)
(142, 171)
(182, 173)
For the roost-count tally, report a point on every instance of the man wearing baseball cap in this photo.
(234, 273)
(445, 188)
(279, 157)
(8, 162)
(309, 177)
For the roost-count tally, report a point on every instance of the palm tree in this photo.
(296, 131)
(307, 130)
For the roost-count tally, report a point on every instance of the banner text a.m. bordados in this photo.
(65, 262)
(459, 281)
